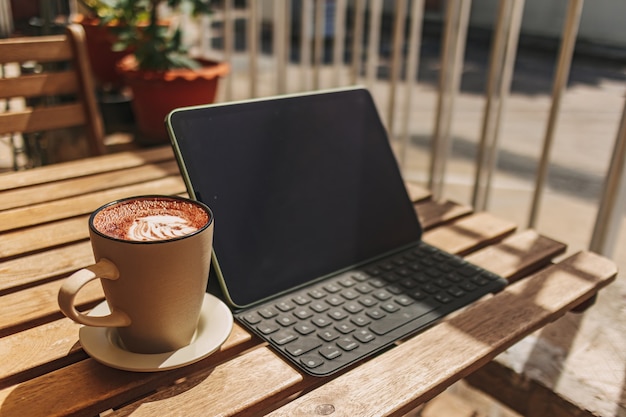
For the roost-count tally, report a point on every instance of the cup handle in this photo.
(104, 269)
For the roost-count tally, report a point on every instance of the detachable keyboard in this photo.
(341, 320)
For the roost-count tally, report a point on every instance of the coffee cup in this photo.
(153, 255)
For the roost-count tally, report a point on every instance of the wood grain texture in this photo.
(83, 204)
(45, 118)
(38, 85)
(89, 388)
(34, 239)
(469, 233)
(84, 167)
(26, 196)
(240, 387)
(432, 213)
(518, 255)
(46, 49)
(417, 192)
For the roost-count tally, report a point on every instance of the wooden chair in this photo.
(57, 93)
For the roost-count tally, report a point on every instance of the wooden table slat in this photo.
(84, 204)
(433, 213)
(33, 239)
(44, 266)
(417, 192)
(36, 305)
(469, 233)
(83, 167)
(518, 255)
(51, 191)
(95, 388)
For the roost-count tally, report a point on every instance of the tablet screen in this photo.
(300, 186)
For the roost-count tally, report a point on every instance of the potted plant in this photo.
(159, 71)
(100, 20)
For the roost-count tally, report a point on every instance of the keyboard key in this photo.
(382, 295)
(330, 352)
(283, 337)
(311, 361)
(377, 282)
(363, 288)
(321, 321)
(338, 314)
(252, 318)
(317, 293)
(364, 336)
(268, 328)
(376, 314)
(345, 328)
(360, 276)
(404, 300)
(268, 312)
(303, 313)
(301, 300)
(349, 294)
(443, 298)
(335, 300)
(328, 335)
(286, 321)
(390, 307)
(285, 306)
(347, 282)
(360, 320)
(319, 306)
(353, 307)
(347, 344)
(332, 288)
(456, 291)
(302, 346)
(304, 328)
(393, 321)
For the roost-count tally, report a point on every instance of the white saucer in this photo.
(214, 327)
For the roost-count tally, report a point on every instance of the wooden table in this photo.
(44, 371)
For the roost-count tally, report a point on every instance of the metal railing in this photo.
(353, 32)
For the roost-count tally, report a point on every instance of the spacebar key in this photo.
(393, 321)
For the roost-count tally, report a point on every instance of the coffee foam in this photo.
(150, 219)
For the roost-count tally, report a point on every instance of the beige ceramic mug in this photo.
(153, 255)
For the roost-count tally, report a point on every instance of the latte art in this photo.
(147, 219)
(159, 228)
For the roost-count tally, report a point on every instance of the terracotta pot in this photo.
(103, 60)
(156, 93)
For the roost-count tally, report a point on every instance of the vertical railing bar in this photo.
(373, 46)
(229, 45)
(6, 21)
(339, 38)
(305, 44)
(560, 82)
(253, 48)
(457, 19)
(357, 40)
(415, 40)
(396, 55)
(318, 42)
(498, 87)
(278, 41)
(613, 201)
